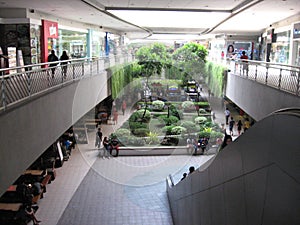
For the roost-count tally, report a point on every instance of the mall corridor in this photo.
(123, 190)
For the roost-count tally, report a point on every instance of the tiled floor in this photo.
(124, 190)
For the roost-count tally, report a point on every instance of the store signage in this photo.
(296, 31)
(50, 29)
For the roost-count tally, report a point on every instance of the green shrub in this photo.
(135, 141)
(122, 132)
(137, 125)
(190, 126)
(152, 138)
(202, 111)
(158, 105)
(188, 105)
(171, 120)
(200, 120)
(167, 130)
(177, 130)
(141, 132)
(125, 125)
(175, 112)
(143, 115)
(203, 134)
(216, 134)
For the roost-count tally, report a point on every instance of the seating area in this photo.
(31, 186)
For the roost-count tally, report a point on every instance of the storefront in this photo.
(97, 48)
(296, 44)
(72, 40)
(280, 49)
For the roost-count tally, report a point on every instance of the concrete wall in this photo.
(253, 181)
(256, 99)
(29, 129)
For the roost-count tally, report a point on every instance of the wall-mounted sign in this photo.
(296, 31)
(49, 31)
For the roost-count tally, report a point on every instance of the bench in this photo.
(45, 181)
(12, 188)
(10, 206)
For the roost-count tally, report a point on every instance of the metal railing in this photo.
(28, 81)
(279, 76)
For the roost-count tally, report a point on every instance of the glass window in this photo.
(74, 42)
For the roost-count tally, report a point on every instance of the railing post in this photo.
(280, 77)
(29, 84)
(267, 73)
(3, 92)
(91, 67)
(82, 69)
(298, 84)
(73, 66)
(255, 75)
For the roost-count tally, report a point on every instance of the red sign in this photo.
(49, 30)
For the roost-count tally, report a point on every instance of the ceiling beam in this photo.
(166, 9)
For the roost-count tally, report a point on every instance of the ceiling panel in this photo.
(254, 19)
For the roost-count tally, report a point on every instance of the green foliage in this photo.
(152, 138)
(142, 115)
(173, 72)
(135, 141)
(122, 76)
(122, 132)
(215, 78)
(188, 105)
(171, 120)
(216, 134)
(202, 111)
(167, 129)
(175, 112)
(158, 105)
(141, 132)
(203, 134)
(152, 58)
(190, 126)
(177, 130)
(200, 120)
(137, 125)
(191, 59)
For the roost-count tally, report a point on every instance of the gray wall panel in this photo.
(235, 202)
(282, 198)
(29, 129)
(256, 99)
(254, 180)
(255, 189)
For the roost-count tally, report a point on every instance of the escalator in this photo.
(253, 181)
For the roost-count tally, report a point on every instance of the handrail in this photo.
(30, 80)
(280, 76)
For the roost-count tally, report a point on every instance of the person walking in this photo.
(98, 138)
(64, 66)
(115, 116)
(106, 149)
(227, 115)
(124, 107)
(244, 59)
(239, 127)
(231, 125)
(53, 59)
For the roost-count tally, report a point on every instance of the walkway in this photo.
(89, 190)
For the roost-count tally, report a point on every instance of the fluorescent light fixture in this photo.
(171, 18)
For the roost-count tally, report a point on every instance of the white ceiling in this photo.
(142, 18)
